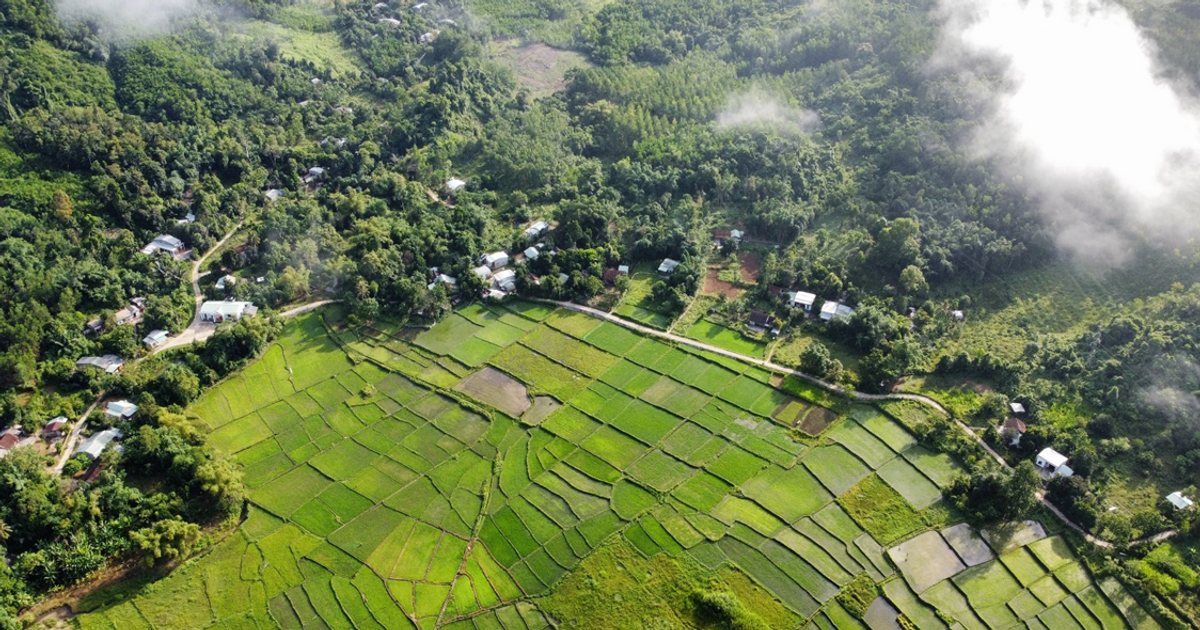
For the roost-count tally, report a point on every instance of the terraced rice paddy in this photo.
(516, 463)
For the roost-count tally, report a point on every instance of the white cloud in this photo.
(1108, 147)
(756, 107)
(128, 19)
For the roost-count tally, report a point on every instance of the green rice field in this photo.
(385, 495)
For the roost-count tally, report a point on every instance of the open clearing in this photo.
(638, 473)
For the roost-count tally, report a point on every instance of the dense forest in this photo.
(822, 132)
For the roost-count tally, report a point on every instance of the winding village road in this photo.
(197, 331)
(925, 400)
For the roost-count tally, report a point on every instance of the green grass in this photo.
(836, 467)
(539, 373)
(880, 511)
(910, 483)
(717, 335)
(789, 494)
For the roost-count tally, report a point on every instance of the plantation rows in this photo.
(385, 497)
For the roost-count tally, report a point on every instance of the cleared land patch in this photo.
(495, 388)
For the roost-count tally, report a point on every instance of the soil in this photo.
(816, 421)
(542, 407)
(495, 388)
(751, 266)
(713, 284)
(541, 68)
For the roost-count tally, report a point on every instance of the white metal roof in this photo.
(1179, 501)
(803, 298)
(483, 272)
(1053, 458)
(454, 183)
(96, 444)
(532, 253)
(121, 409)
(668, 265)
(1016, 407)
(227, 309)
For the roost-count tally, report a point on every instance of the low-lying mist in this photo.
(1083, 117)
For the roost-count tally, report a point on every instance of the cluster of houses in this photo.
(130, 314)
(492, 266)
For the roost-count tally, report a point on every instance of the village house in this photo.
(55, 427)
(165, 243)
(505, 280)
(760, 320)
(1179, 501)
(623, 270)
(155, 338)
(389, 21)
(831, 310)
(1013, 428)
(226, 310)
(10, 438)
(109, 363)
(427, 37)
(94, 327)
(122, 409)
(450, 282)
(331, 141)
(273, 194)
(720, 236)
(454, 184)
(128, 315)
(420, 5)
(1017, 408)
(94, 446)
(537, 229)
(667, 267)
(494, 260)
(532, 253)
(802, 299)
(563, 279)
(1051, 462)
(483, 271)
(226, 282)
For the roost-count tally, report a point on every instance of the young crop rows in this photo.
(458, 477)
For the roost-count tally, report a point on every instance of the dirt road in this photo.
(925, 400)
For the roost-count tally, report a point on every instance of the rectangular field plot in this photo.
(744, 391)
(835, 467)
(862, 443)
(240, 434)
(646, 423)
(880, 510)
(613, 339)
(675, 397)
(910, 483)
(789, 494)
(571, 352)
(540, 373)
(614, 447)
(288, 492)
(447, 334)
(660, 471)
(722, 337)
(939, 467)
(573, 323)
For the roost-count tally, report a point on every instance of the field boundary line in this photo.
(856, 395)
